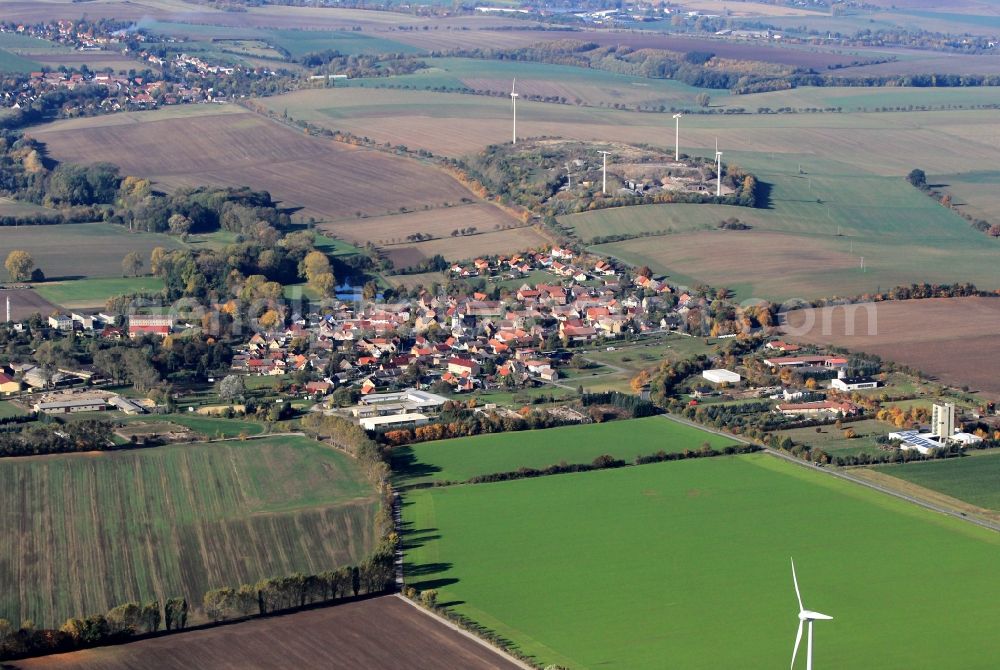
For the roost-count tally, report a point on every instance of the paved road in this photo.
(846, 476)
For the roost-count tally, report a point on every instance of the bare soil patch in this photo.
(23, 303)
(382, 633)
(956, 340)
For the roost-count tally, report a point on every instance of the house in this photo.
(8, 384)
(720, 376)
(60, 322)
(155, 325)
(318, 388)
(853, 383)
(459, 366)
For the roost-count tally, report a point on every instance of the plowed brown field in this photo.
(957, 340)
(380, 634)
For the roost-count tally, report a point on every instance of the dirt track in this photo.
(383, 633)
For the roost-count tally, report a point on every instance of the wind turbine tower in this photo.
(805, 616)
(569, 178)
(718, 170)
(8, 309)
(677, 136)
(513, 108)
(604, 172)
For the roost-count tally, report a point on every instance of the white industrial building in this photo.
(393, 421)
(943, 419)
(721, 376)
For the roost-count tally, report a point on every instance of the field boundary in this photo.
(440, 619)
(851, 478)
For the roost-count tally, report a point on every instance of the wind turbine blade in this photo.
(795, 580)
(512, 85)
(816, 616)
(795, 649)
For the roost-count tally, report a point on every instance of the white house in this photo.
(853, 383)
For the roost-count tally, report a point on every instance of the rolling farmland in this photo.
(177, 520)
(466, 247)
(229, 146)
(960, 349)
(463, 458)
(680, 542)
(331, 638)
(76, 250)
(393, 229)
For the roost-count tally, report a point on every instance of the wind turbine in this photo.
(805, 616)
(677, 136)
(604, 171)
(513, 108)
(718, 170)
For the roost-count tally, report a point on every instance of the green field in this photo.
(8, 409)
(209, 426)
(860, 99)
(460, 459)
(832, 440)
(95, 292)
(575, 85)
(11, 62)
(686, 565)
(76, 250)
(300, 42)
(810, 238)
(975, 480)
(85, 532)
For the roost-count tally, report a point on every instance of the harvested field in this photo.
(94, 61)
(467, 247)
(954, 339)
(229, 146)
(437, 222)
(378, 634)
(24, 302)
(86, 532)
(723, 48)
(75, 250)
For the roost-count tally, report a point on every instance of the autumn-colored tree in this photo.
(131, 264)
(640, 380)
(19, 264)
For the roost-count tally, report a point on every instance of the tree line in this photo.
(373, 576)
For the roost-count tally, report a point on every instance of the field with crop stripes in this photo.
(85, 532)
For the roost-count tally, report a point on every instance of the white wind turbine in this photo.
(805, 616)
(677, 136)
(718, 170)
(513, 108)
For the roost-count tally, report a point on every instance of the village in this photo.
(394, 365)
(169, 79)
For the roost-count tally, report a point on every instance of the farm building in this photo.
(156, 325)
(853, 383)
(125, 405)
(71, 406)
(394, 421)
(828, 407)
(720, 376)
